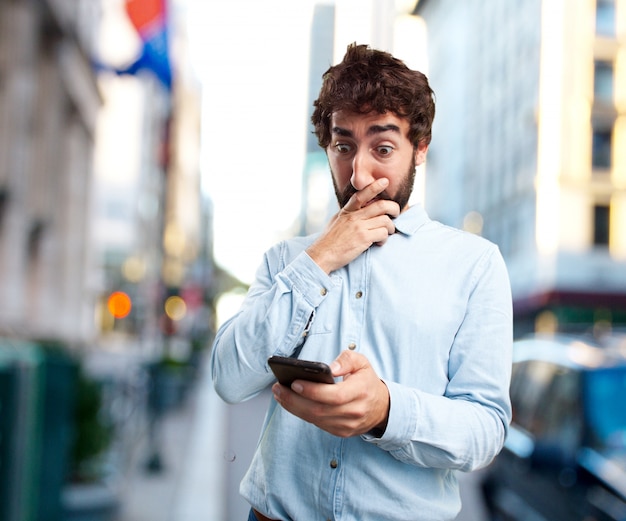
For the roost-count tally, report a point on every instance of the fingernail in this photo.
(335, 366)
(384, 181)
(297, 388)
(276, 391)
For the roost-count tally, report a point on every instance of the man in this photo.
(414, 318)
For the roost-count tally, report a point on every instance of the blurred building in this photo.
(317, 193)
(48, 108)
(99, 193)
(150, 218)
(529, 148)
(99, 168)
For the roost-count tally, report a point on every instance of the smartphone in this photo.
(287, 370)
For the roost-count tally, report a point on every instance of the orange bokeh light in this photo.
(119, 304)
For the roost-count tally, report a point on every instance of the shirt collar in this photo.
(411, 220)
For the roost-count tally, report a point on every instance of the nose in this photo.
(362, 172)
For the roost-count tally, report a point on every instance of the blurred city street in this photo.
(151, 151)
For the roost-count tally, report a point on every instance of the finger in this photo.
(378, 231)
(284, 396)
(362, 197)
(390, 228)
(348, 362)
(322, 394)
(382, 223)
(303, 390)
(380, 237)
(382, 207)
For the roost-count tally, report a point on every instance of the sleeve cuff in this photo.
(403, 412)
(308, 279)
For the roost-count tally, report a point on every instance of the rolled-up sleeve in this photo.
(465, 427)
(272, 321)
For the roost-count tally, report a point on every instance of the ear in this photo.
(420, 153)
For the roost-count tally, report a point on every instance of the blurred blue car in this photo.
(564, 458)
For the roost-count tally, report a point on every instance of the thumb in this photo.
(347, 362)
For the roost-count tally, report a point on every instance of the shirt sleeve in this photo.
(466, 427)
(272, 321)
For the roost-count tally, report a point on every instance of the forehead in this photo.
(357, 124)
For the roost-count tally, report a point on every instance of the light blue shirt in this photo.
(431, 310)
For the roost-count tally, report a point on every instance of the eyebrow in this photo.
(374, 129)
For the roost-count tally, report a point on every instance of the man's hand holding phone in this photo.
(354, 406)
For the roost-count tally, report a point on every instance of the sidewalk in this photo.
(191, 442)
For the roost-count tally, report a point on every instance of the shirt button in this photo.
(359, 294)
(333, 464)
(323, 292)
(352, 346)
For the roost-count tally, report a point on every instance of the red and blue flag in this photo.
(149, 17)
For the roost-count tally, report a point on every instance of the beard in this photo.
(401, 197)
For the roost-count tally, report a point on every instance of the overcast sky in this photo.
(253, 61)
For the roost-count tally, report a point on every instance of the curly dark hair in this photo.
(371, 80)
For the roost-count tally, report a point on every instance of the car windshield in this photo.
(605, 390)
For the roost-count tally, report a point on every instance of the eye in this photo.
(385, 150)
(343, 148)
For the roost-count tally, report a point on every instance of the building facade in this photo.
(48, 108)
(99, 173)
(528, 148)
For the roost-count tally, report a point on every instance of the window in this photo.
(528, 386)
(605, 17)
(35, 238)
(4, 200)
(559, 416)
(601, 224)
(603, 81)
(601, 148)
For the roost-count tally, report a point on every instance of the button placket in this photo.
(357, 296)
(356, 301)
